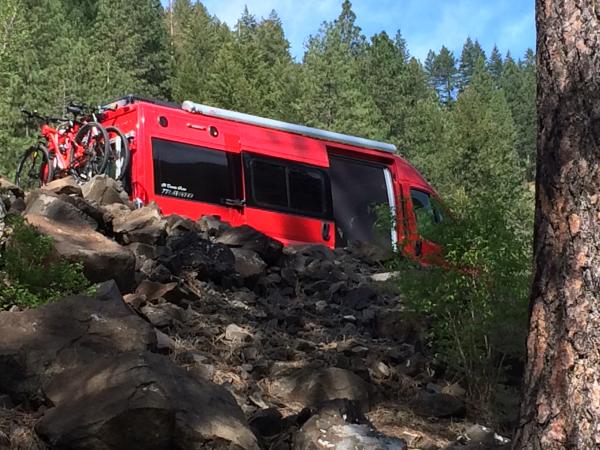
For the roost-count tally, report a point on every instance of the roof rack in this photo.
(198, 108)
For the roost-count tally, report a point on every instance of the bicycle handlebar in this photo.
(47, 119)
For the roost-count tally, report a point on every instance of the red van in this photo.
(296, 184)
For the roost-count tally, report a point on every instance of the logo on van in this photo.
(175, 191)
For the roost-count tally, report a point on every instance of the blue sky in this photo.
(425, 24)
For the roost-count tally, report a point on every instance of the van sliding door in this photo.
(361, 191)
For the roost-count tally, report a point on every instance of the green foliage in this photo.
(30, 275)
(477, 304)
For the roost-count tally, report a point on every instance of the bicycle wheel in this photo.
(89, 151)
(119, 157)
(34, 169)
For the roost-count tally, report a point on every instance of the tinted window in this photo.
(287, 187)
(191, 172)
(426, 210)
(307, 190)
(270, 186)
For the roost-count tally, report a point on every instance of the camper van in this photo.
(294, 183)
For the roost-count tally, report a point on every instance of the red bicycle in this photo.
(73, 147)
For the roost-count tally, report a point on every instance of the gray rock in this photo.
(55, 208)
(164, 343)
(66, 185)
(102, 258)
(248, 263)
(140, 400)
(309, 386)
(212, 225)
(104, 190)
(251, 239)
(37, 344)
(236, 333)
(163, 314)
(141, 225)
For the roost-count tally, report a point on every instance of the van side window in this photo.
(287, 187)
(427, 211)
(192, 173)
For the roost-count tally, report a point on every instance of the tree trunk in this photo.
(561, 402)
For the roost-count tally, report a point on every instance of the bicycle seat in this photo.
(76, 110)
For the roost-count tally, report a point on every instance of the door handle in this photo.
(326, 231)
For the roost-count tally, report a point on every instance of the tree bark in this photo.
(561, 400)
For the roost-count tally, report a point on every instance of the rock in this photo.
(164, 343)
(112, 211)
(212, 225)
(66, 185)
(310, 386)
(140, 400)
(55, 208)
(249, 238)
(384, 276)
(104, 190)
(439, 405)
(102, 258)
(236, 333)
(163, 314)
(248, 263)
(359, 298)
(341, 425)
(267, 423)
(141, 225)
(8, 186)
(153, 291)
(192, 253)
(39, 343)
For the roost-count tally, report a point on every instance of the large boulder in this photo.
(309, 387)
(102, 258)
(189, 252)
(251, 239)
(66, 185)
(37, 344)
(104, 190)
(141, 400)
(144, 225)
(52, 206)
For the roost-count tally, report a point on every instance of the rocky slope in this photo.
(205, 336)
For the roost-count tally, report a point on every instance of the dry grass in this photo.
(17, 431)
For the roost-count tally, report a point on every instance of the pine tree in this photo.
(442, 72)
(518, 83)
(495, 65)
(131, 50)
(196, 41)
(333, 95)
(471, 53)
(485, 155)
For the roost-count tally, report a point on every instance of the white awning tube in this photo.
(198, 108)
